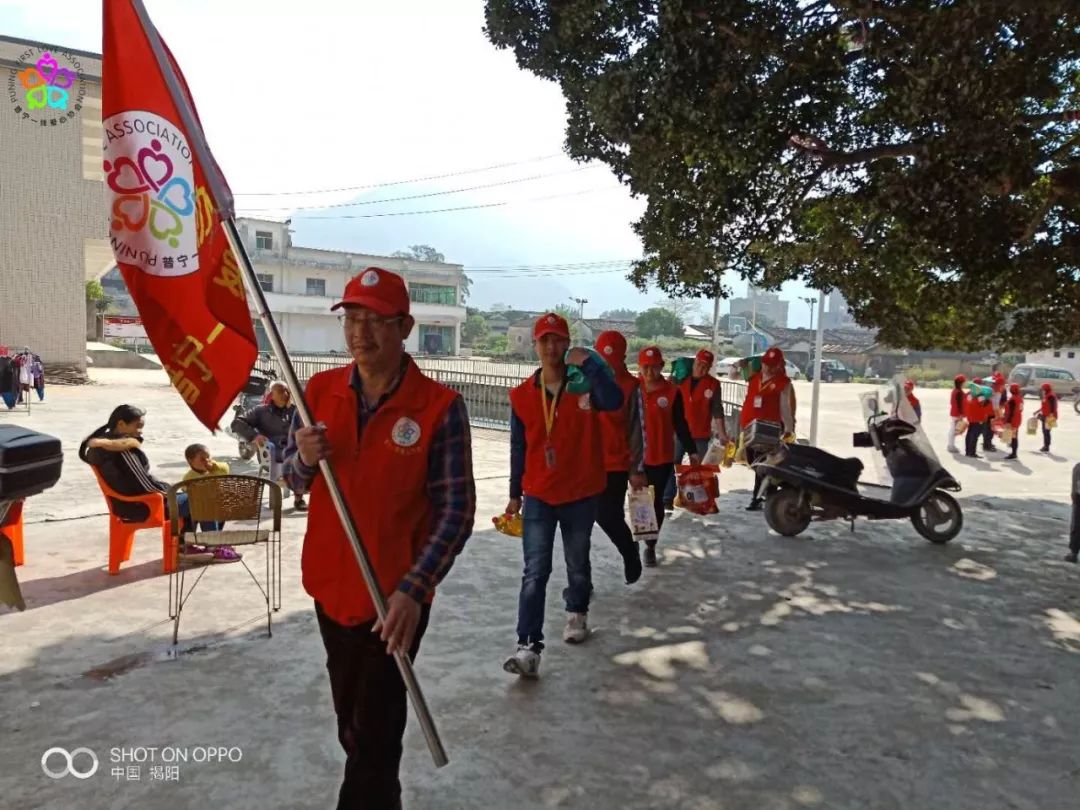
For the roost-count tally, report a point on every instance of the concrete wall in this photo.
(52, 201)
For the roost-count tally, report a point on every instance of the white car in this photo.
(792, 370)
(723, 368)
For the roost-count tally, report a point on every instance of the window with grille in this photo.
(316, 286)
(264, 240)
(433, 294)
(266, 281)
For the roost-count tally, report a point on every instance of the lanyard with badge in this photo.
(549, 419)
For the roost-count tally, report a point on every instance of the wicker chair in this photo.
(220, 499)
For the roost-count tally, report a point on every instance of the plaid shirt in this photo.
(451, 489)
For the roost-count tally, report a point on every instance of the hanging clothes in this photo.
(37, 370)
(9, 381)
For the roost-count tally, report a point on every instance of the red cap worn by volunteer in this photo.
(705, 356)
(611, 346)
(650, 356)
(909, 385)
(960, 378)
(376, 289)
(773, 357)
(1014, 389)
(551, 324)
(1047, 387)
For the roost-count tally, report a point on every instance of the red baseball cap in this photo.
(909, 384)
(978, 381)
(772, 357)
(1014, 389)
(1047, 387)
(705, 356)
(611, 345)
(551, 324)
(960, 378)
(378, 290)
(650, 356)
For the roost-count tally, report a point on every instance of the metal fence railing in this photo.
(484, 386)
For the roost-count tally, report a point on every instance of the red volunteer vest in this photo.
(956, 404)
(1014, 412)
(1049, 406)
(913, 400)
(763, 399)
(698, 405)
(383, 475)
(975, 411)
(576, 440)
(615, 426)
(660, 423)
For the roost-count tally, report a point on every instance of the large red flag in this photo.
(165, 229)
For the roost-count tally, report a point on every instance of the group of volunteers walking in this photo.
(974, 413)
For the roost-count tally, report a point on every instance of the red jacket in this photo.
(698, 404)
(1049, 406)
(1014, 412)
(956, 403)
(659, 423)
(576, 444)
(763, 399)
(383, 475)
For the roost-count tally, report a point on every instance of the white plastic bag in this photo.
(639, 503)
(714, 456)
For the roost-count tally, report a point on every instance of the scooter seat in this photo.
(841, 471)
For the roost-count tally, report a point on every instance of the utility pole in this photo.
(581, 302)
(819, 341)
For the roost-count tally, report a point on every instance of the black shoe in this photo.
(972, 455)
(755, 506)
(1044, 450)
(632, 565)
(650, 556)
(1011, 457)
(669, 506)
(299, 504)
(1070, 557)
(990, 449)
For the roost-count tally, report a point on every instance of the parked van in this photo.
(1031, 376)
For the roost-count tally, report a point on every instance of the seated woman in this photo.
(114, 450)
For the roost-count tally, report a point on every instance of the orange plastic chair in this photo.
(14, 532)
(122, 532)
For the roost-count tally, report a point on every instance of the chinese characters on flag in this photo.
(165, 230)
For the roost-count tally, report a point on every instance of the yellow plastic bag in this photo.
(509, 524)
(1008, 433)
(1032, 426)
(1051, 422)
(639, 503)
(961, 427)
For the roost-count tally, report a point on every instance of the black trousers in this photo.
(971, 438)
(1046, 433)
(658, 475)
(611, 513)
(371, 706)
(751, 456)
(1015, 445)
(988, 433)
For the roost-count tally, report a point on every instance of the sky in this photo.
(358, 95)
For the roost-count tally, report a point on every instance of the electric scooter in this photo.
(803, 484)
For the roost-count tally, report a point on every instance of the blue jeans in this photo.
(575, 520)
(702, 446)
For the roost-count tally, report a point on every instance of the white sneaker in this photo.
(576, 630)
(525, 662)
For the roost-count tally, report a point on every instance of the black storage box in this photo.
(762, 435)
(30, 462)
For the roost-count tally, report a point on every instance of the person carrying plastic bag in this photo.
(665, 419)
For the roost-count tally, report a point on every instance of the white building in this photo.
(301, 284)
(1067, 357)
(838, 315)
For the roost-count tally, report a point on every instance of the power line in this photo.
(465, 207)
(430, 193)
(398, 182)
(499, 268)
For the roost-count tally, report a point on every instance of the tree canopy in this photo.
(922, 156)
(658, 321)
(619, 314)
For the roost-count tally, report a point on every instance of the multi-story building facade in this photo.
(53, 215)
(838, 315)
(765, 306)
(301, 284)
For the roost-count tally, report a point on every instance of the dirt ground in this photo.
(859, 670)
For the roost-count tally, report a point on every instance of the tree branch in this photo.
(1048, 118)
(831, 158)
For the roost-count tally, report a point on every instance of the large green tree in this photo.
(658, 321)
(923, 156)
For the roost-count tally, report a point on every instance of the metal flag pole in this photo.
(223, 200)
(819, 341)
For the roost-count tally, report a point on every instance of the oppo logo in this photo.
(67, 758)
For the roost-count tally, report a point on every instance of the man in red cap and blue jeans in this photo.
(556, 474)
(704, 414)
(399, 443)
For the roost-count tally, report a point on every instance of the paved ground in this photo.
(856, 670)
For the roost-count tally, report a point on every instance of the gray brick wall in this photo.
(47, 211)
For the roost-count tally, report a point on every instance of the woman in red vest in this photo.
(976, 410)
(402, 454)
(557, 464)
(665, 420)
(704, 414)
(1048, 410)
(771, 398)
(1014, 417)
(956, 410)
(913, 401)
(624, 443)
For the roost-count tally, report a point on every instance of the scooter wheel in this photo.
(939, 518)
(786, 512)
